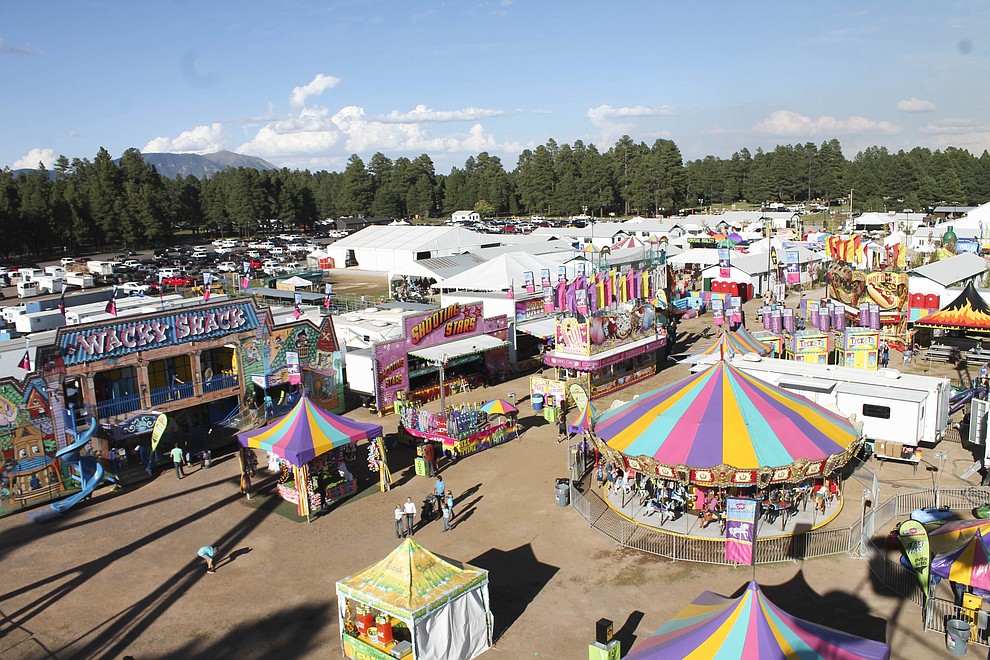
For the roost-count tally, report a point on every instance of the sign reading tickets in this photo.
(740, 529)
(914, 538)
(149, 332)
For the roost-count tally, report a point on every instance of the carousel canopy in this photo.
(750, 626)
(722, 416)
(306, 432)
(739, 342)
(411, 580)
(967, 312)
(968, 564)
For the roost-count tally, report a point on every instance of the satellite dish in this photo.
(971, 470)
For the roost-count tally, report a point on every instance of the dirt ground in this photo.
(120, 576)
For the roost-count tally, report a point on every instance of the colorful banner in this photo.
(158, 430)
(718, 311)
(724, 262)
(792, 260)
(545, 277)
(561, 272)
(740, 529)
(914, 538)
(528, 282)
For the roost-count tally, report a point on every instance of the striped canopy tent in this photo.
(967, 312)
(750, 627)
(724, 427)
(628, 242)
(739, 342)
(307, 431)
(967, 564)
(956, 533)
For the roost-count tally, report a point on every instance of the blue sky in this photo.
(307, 84)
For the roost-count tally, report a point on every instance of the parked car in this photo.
(228, 267)
(67, 260)
(135, 287)
(177, 280)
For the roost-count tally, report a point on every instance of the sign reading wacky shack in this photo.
(148, 333)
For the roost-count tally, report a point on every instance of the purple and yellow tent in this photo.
(739, 342)
(723, 417)
(750, 627)
(968, 564)
(307, 431)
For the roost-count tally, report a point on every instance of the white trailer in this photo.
(100, 267)
(899, 412)
(39, 321)
(359, 365)
(49, 283)
(27, 289)
(81, 280)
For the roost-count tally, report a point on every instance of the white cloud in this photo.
(785, 122)
(423, 114)
(915, 105)
(604, 115)
(960, 133)
(199, 140)
(315, 87)
(31, 159)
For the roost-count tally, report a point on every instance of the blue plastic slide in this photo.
(90, 471)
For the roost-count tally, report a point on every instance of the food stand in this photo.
(415, 604)
(809, 346)
(461, 430)
(311, 447)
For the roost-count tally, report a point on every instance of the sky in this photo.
(306, 84)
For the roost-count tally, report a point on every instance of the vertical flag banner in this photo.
(578, 269)
(329, 291)
(511, 293)
(158, 430)
(111, 307)
(792, 259)
(914, 538)
(528, 281)
(61, 300)
(740, 529)
(724, 262)
(561, 272)
(548, 299)
(545, 277)
(718, 311)
(207, 280)
(25, 362)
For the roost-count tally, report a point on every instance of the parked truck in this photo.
(49, 283)
(100, 267)
(81, 280)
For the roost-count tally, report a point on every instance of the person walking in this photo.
(208, 552)
(400, 513)
(177, 458)
(449, 500)
(409, 508)
(447, 515)
(439, 487)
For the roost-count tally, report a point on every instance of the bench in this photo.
(941, 353)
(983, 357)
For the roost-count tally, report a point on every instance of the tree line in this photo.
(103, 202)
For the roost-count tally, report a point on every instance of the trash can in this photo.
(551, 415)
(537, 401)
(563, 492)
(956, 636)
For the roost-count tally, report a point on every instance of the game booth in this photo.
(459, 430)
(310, 447)
(676, 453)
(417, 605)
(750, 626)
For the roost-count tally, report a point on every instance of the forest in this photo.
(104, 202)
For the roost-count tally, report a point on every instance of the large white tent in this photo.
(503, 271)
(385, 248)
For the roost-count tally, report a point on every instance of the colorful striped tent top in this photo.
(722, 416)
(307, 431)
(750, 627)
(739, 342)
(968, 564)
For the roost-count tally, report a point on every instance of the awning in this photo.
(539, 328)
(605, 358)
(466, 346)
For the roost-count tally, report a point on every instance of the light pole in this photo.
(941, 455)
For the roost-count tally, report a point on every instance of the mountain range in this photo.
(199, 166)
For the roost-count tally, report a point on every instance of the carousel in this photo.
(671, 457)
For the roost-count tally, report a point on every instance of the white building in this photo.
(385, 248)
(465, 216)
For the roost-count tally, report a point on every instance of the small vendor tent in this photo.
(739, 342)
(967, 312)
(968, 564)
(307, 431)
(443, 603)
(750, 626)
(296, 282)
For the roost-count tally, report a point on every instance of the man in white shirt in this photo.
(410, 510)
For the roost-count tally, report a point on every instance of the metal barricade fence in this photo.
(939, 610)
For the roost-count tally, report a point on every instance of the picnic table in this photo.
(976, 357)
(941, 353)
